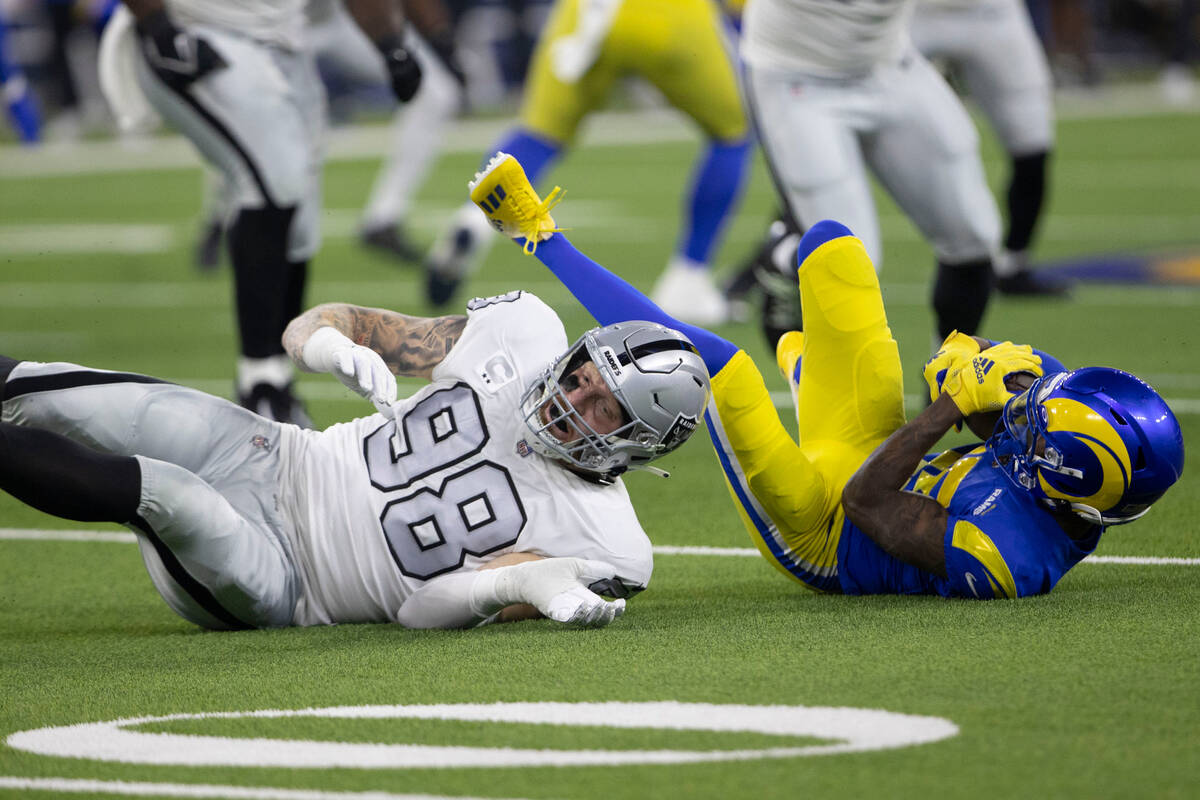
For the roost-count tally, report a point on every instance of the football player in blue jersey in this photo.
(858, 505)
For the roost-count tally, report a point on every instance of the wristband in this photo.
(317, 353)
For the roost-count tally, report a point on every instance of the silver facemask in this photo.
(656, 375)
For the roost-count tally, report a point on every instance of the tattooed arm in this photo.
(410, 346)
(909, 526)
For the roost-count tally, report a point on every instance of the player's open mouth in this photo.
(558, 425)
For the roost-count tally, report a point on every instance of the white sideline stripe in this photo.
(82, 786)
(43, 535)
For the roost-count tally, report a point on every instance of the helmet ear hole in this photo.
(1139, 462)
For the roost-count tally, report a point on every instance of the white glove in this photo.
(361, 369)
(557, 587)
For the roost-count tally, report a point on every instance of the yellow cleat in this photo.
(511, 204)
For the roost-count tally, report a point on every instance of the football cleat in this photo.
(277, 403)
(686, 291)
(390, 240)
(1029, 283)
(511, 205)
(1014, 277)
(449, 263)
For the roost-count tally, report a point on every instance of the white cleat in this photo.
(687, 292)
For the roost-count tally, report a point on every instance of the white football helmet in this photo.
(657, 376)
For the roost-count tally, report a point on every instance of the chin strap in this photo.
(662, 473)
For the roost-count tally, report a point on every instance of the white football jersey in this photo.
(829, 38)
(376, 515)
(279, 22)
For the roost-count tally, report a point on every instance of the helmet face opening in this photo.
(656, 376)
(1097, 441)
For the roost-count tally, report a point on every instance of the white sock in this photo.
(274, 370)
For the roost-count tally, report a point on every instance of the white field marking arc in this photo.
(852, 730)
(145, 789)
(49, 535)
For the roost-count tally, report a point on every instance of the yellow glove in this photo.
(978, 385)
(957, 348)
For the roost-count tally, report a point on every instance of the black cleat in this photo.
(277, 403)
(391, 240)
(447, 267)
(1032, 283)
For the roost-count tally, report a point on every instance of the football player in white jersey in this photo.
(838, 90)
(493, 493)
(234, 77)
(992, 46)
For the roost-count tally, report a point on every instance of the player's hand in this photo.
(177, 57)
(957, 347)
(978, 385)
(363, 371)
(402, 67)
(359, 368)
(557, 587)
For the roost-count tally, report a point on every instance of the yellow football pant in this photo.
(851, 398)
(674, 44)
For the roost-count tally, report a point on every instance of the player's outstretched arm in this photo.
(364, 347)
(555, 587)
(909, 526)
(502, 191)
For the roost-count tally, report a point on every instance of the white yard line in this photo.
(649, 126)
(44, 535)
(89, 238)
(142, 789)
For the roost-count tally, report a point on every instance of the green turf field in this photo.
(1091, 691)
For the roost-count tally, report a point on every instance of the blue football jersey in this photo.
(999, 542)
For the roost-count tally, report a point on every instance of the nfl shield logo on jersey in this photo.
(259, 442)
(523, 448)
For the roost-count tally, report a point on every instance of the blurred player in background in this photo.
(418, 127)
(586, 47)
(20, 105)
(992, 46)
(513, 453)
(837, 89)
(858, 505)
(236, 79)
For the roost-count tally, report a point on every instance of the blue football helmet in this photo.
(1097, 441)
